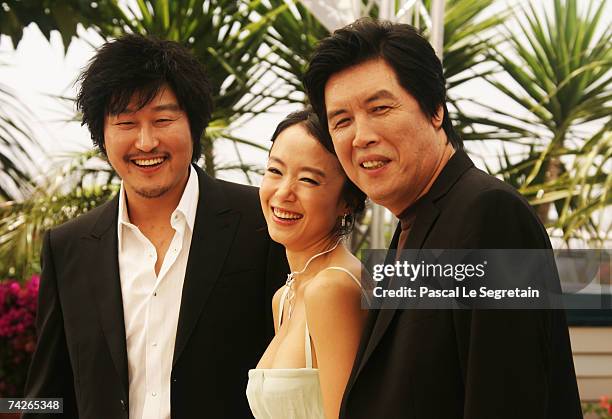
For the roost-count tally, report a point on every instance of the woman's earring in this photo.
(344, 222)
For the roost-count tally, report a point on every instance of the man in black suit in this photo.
(157, 303)
(381, 90)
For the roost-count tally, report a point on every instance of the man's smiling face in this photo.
(150, 148)
(388, 147)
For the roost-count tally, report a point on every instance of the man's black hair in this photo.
(417, 68)
(135, 64)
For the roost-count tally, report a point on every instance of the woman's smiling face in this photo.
(301, 190)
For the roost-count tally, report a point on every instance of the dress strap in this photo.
(307, 347)
(346, 271)
(281, 306)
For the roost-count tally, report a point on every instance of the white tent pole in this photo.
(437, 27)
(385, 10)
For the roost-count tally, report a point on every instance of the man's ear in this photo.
(438, 117)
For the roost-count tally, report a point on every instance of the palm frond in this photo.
(17, 146)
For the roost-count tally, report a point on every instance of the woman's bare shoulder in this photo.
(334, 285)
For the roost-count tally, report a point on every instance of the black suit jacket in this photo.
(471, 364)
(225, 320)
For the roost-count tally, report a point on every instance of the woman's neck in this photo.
(299, 258)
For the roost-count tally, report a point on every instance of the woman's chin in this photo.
(281, 238)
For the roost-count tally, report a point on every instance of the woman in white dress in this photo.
(309, 205)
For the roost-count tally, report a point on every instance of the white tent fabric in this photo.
(333, 15)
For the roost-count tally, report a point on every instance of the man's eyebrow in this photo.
(167, 107)
(380, 94)
(313, 170)
(334, 113)
(174, 107)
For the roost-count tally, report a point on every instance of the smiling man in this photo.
(155, 304)
(380, 89)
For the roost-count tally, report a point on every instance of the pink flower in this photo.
(34, 283)
(14, 287)
(18, 303)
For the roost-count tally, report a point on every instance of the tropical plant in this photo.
(469, 30)
(291, 39)
(560, 64)
(17, 145)
(77, 183)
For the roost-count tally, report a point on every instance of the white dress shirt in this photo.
(151, 303)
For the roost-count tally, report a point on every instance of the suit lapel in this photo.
(367, 330)
(426, 216)
(427, 213)
(101, 259)
(213, 233)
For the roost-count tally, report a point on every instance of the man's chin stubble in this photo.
(152, 193)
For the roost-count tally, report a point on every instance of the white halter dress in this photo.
(288, 393)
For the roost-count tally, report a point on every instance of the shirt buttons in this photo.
(154, 344)
(154, 394)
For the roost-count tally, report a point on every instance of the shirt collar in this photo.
(187, 206)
